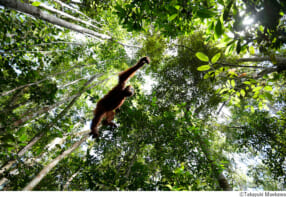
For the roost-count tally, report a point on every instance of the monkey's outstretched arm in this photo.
(123, 76)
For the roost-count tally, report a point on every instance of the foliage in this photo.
(176, 17)
(263, 133)
(217, 96)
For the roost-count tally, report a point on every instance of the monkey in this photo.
(111, 102)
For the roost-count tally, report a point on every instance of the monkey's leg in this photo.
(95, 122)
(109, 117)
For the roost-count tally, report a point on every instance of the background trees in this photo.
(208, 113)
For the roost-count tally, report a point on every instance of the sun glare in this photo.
(248, 21)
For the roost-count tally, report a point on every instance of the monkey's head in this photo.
(145, 60)
(128, 91)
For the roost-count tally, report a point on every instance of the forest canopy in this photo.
(208, 113)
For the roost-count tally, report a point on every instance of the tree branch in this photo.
(237, 65)
(261, 59)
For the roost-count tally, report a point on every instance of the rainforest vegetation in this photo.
(208, 113)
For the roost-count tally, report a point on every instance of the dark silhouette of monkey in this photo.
(106, 106)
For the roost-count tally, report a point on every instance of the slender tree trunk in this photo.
(75, 10)
(4, 180)
(42, 133)
(266, 71)
(223, 182)
(138, 146)
(71, 83)
(222, 105)
(65, 188)
(51, 9)
(51, 165)
(237, 65)
(38, 13)
(40, 81)
(8, 165)
(31, 115)
(261, 59)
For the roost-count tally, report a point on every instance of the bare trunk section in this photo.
(51, 9)
(261, 59)
(31, 115)
(4, 180)
(40, 81)
(75, 10)
(38, 13)
(223, 182)
(71, 83)
(65, 188)
(51, 165)
(22, 152)
(41, 134)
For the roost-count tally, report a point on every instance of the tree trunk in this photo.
(4, 180)
(40, 81)
(261, 59)
(65, 188)
(223, 183)
(266, 71)
(31, 115)
(71, 83)
(75, 10)
(51, 9)
(51, 165)
(38, 13)
(41, 134)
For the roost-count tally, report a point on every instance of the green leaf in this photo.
(205, 13)
(172, 17)
(215, 58)
(218, 29)
(247, 82)
(256, 89)
(36, 3)
(203, 68)
(268, 96)
(206, 76)
(238, 47)
(202, 57)
(23, 138)
(8, 137)
(223, 90)
(232, 83)
(177, 7)
(268, 88)
(260, 105)
(251, 50)
(242, 92)
(169, 186)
